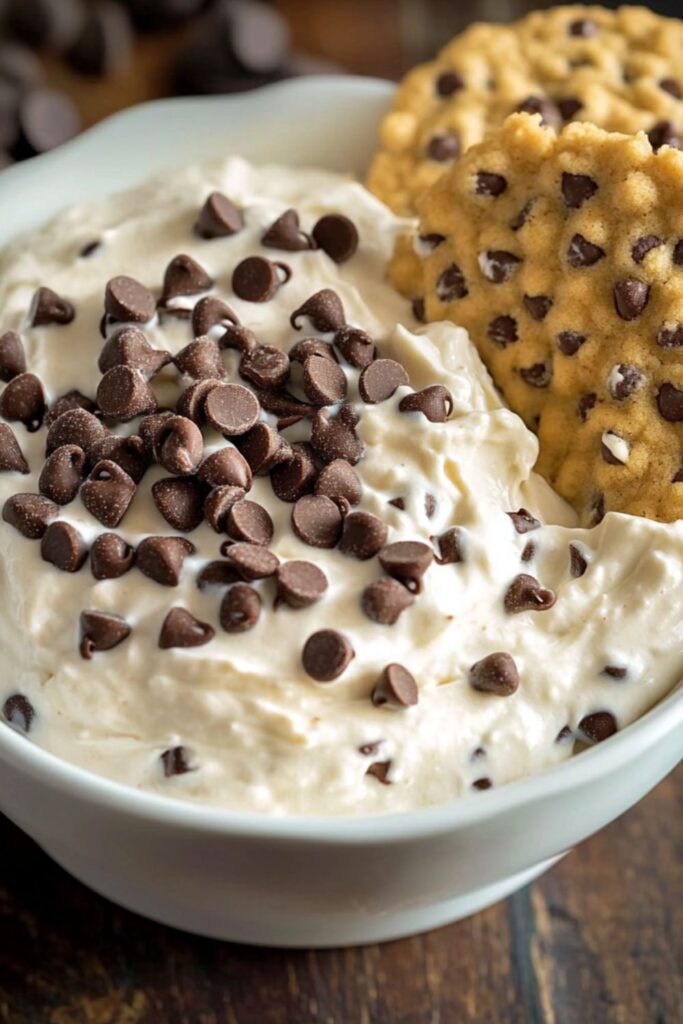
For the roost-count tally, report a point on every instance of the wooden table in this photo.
(598, 940)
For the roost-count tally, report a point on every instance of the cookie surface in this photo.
(617, 69)
(563, 257)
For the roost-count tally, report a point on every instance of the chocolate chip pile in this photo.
(233, 45)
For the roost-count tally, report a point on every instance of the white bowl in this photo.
(293, 882)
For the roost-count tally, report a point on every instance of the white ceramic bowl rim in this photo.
(611, 756)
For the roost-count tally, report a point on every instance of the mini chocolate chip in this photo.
(380, 380)
(607, 454)
(577, 562)
(11, 456)
(225, 466)
(630, 297)
(218, 217)
(324, 381)
(285, 233)
(192, 401)
(107, 493)
(239, 338)
(583, 27)
(90, 248)
(180, 502)
(29, 514)
(110, 557)
(264, 448)
(179, 445)
(576, 189)
(62, 474)
(127, 452)
(251, 522)
(489, 184)
(301, 350)
(300, 584)
(448, 82)
(338, 479)
(240, 609)
(323, 309)
(251, 561)
(670, 403)
(326, 655)
(643, 245)
(396, 687)
(599, 726)
(337, 236)
(181, 629)
(316, 520)
(398, 503)
(101, 631)
(569, 342)
(12, 356)
(538, 375)
(256, 279)
(231, 409)
(443, 147)
(528, 552)
(550, 114)
(615, 671)
(218, 503)
(582, 253)
(502, 330)
(293, 479)
(357, 347)
(523, 521)
(598, 509)
(63, 546)
(407, 561)
(670, 336)
(430, 505)
(569, 107)
(128, 346)
(384, 600)
(522, 217)
(23, 399)
(124, 393)
(496, 673)
(126, 300)
(217, 575)
(265, 366)
(335, 437)
(564, 734)
(481, 784)
(184, 276)
(418, 309)
(65, 403)
(175, 761)
(211, 312)
(380, 771)
(664, 133)
(435, 402)
(363, 535)
(538, 306)
(161, 558)
(497, 265)
(451, 284)
(201, 360)
(48, 308)
(19, 712)
(526, 594)
(671, 86)
(450, 547)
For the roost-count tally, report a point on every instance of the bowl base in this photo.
(303, 930)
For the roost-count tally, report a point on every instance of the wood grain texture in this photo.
(599, 940)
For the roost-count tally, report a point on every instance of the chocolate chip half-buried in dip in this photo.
(210, 589)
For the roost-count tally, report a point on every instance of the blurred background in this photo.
(65, 64)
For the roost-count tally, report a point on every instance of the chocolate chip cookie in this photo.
(617, 69)
(562, 254)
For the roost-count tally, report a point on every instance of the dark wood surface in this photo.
(598, 940)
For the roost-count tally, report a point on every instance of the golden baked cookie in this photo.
(618, 69)
(562, 254)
